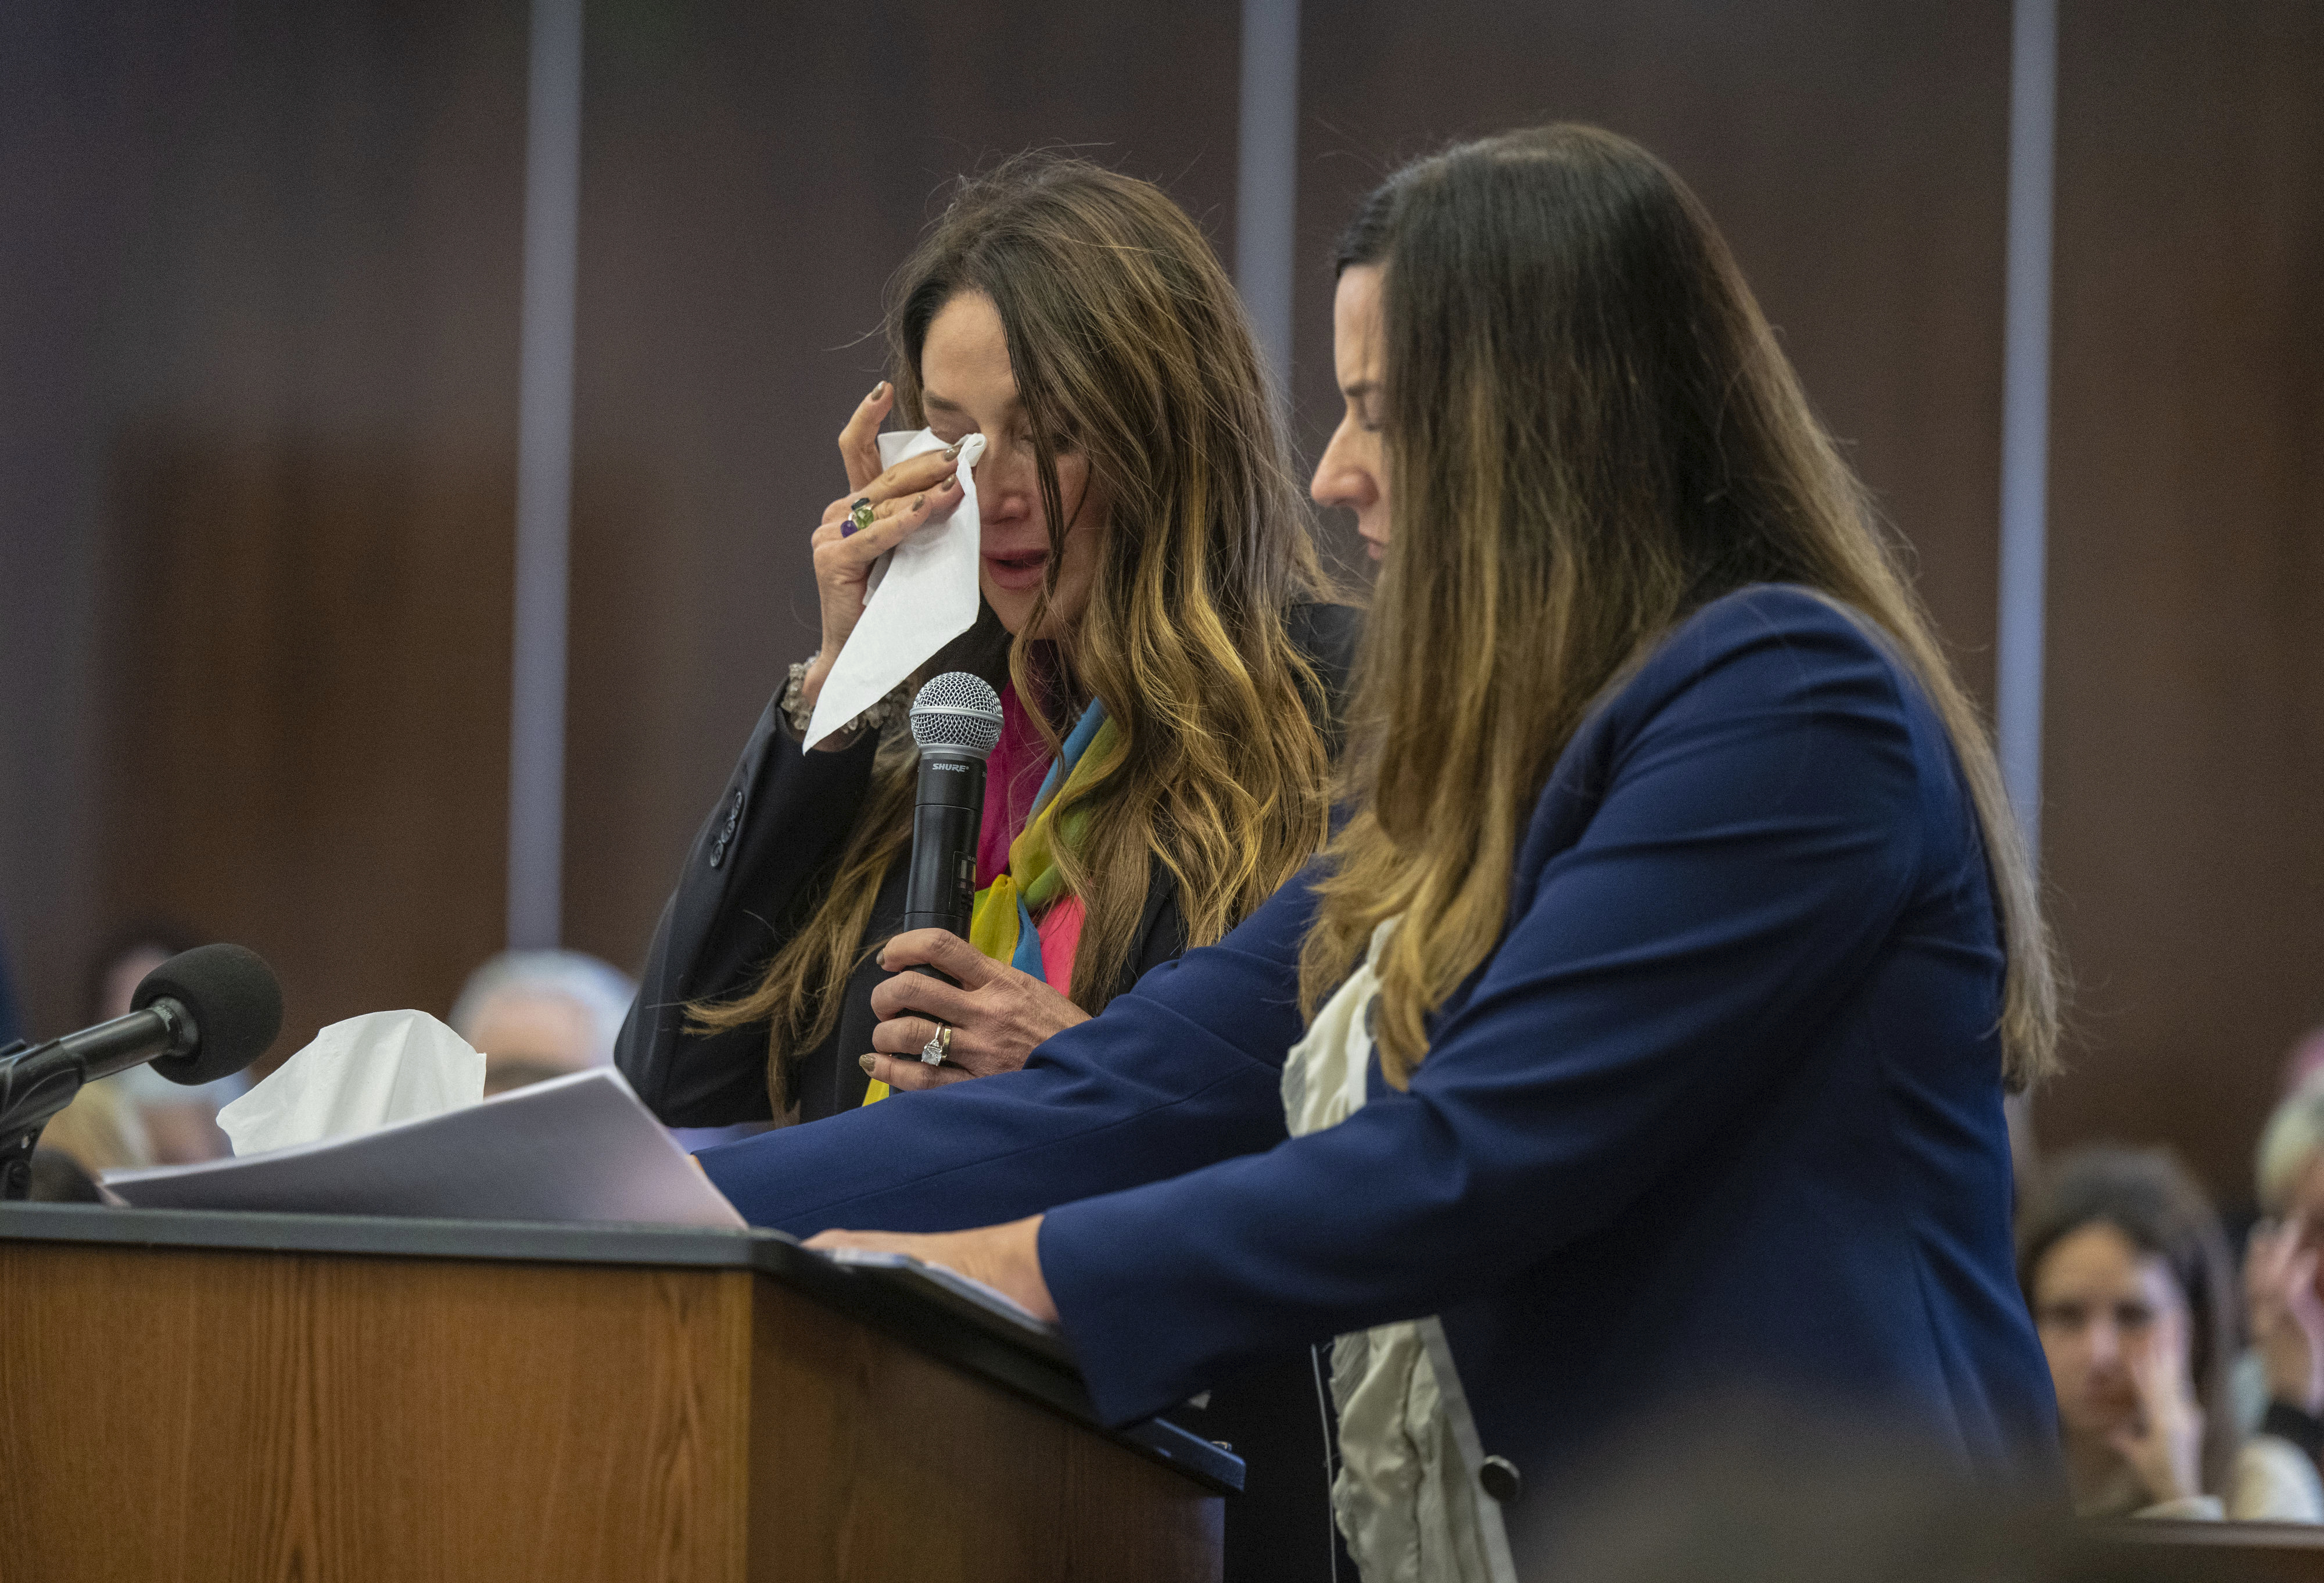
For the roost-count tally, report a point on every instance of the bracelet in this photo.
(799, 714)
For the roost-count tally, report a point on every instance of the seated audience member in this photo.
(541, 1015)
(2281, 1267)
(2127, 1274)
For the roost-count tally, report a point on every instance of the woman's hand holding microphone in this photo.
(997, 1014)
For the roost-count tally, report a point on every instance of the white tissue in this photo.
(923, 596)
(360, 1075)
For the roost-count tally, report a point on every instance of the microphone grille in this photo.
(236, 1002)
(959, 711)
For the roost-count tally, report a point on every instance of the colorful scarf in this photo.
(1001, 926)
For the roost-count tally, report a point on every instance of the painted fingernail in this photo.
(952, 451)
(865, 1062)
(878, 391)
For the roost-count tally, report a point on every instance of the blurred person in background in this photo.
(539, 1014)
(101, 1130)
(2128, 1272)
(2303, 1061)
(534, 1015)
(2280, 1265)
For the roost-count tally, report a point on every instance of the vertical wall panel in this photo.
(1856, 156)
(2185, 735)
(752, 176)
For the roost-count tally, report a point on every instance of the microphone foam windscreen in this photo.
(959, 711)
(236, 1002)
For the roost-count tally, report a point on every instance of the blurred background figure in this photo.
(541, 1015)
(2126, 1270)
(2301, 1062)
(2286, 1367)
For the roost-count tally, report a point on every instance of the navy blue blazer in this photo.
(1722, 1110)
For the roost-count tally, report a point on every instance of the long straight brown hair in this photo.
(1591, 433)
(1129, 344)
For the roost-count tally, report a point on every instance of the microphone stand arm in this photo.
(25, 1107)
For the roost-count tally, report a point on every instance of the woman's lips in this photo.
(1017, 573)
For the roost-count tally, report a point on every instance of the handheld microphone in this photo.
(201, 1016)
(957, 721)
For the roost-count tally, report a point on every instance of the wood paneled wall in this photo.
(258, 303)
(2185, 724)
(289, 234)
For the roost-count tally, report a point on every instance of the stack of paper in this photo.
(573, 1149)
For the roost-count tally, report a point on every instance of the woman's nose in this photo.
(1336, 483)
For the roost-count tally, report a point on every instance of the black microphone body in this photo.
(947, 812)
(201, 1016)
(955, 722)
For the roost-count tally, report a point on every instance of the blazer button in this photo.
(1500, 1479)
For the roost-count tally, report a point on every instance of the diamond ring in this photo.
(933, 1051)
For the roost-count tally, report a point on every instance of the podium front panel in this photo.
(668, 1406)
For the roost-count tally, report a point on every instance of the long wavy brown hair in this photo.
(1129, 344)
(1591, 433)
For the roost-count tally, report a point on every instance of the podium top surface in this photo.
(927, 1309)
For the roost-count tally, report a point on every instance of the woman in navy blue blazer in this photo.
(1644, 1032)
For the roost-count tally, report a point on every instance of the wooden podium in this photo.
(259, 1397)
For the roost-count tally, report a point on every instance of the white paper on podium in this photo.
(923, 595)
(573, 1149)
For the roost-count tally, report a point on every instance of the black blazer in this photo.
(758, 868)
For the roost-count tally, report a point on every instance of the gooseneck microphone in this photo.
(201, 1016)
(957, 721)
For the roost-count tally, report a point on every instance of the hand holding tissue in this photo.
(924, 595)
